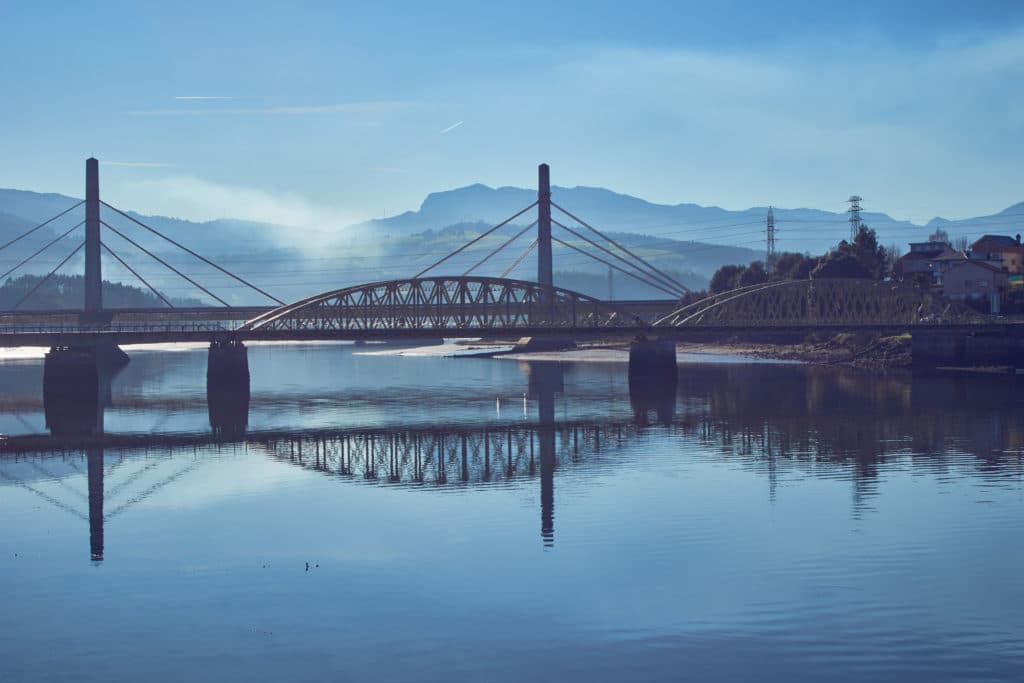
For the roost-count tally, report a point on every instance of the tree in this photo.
(840, 264)
(865, 248)
(892, 255)
(725, 278)
(939, 235)
(961, 244)
(754, 274)
(793, 266)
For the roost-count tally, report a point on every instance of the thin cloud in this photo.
(212, 97)
(196, 199)
(451, 127)
(387, 169)
(136, 164)
(372, 106)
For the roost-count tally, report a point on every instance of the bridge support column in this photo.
(986, 346)
(653, 376)
(93, 274)
(227, 387)
(545, 272)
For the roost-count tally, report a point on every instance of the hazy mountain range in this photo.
(688, 240)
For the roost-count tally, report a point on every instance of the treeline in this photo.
(861, 258)
(68, 292)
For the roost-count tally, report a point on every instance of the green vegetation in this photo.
(862, 258)
(68, 292)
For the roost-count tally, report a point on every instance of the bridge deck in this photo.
(200, 333)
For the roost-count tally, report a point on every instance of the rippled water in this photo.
(373, 517)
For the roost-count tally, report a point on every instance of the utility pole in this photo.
(769, 257)
(611, 285)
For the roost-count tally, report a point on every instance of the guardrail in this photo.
(196, 326)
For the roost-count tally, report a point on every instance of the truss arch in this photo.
(442, 304)
(824, 302)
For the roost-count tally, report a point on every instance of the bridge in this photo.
(464, 304)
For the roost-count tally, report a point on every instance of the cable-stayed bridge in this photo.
(467, 302)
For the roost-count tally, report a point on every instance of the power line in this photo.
(495, 251)
(621, 270)
(48, 276)
(589, 241)
(46, 222)
(198, 256)
(41, 250)
(164, 263)
(132, 271)
(477, 239)
(518, 259)
(619, 246)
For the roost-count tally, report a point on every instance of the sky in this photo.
(321, 114)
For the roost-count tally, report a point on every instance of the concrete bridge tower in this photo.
(545, 275)
(93, 275)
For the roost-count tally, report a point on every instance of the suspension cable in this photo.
(132, 271)
(40, 251)
(198, 256)
(47, 222)
(645, 273)
(621, 270)
(475, 240)
(164, 263)
(609, 239)
(48, 276)
(519, 259)
(493, 253)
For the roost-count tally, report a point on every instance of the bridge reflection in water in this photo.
(779, 422)
(438, 456)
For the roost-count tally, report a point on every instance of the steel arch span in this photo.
(445, 305)
(824, 302)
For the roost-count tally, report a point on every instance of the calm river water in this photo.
(383, 518)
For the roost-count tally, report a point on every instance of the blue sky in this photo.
(329, 113)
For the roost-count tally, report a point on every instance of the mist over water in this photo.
(373, 517)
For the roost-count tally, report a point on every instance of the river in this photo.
(419, 518)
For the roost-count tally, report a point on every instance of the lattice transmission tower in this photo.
(769, 233)
(854, 211)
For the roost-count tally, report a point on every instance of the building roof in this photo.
(999, 240)
(916, 256)
(975, 262)
(952, 256)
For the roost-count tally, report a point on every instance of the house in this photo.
(1013, 261)
(975, 282)
(940, 264)
(993, 246)
(919, 259)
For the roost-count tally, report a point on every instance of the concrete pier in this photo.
(1001, 345)
(227, 388)
(652, 360)
(653, 376)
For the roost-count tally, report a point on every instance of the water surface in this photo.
(370, 517)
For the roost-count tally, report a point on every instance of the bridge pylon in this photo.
(545, 275)
(93, 273)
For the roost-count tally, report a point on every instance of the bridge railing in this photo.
(197, 326)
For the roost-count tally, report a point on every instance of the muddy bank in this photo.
(862, 350)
